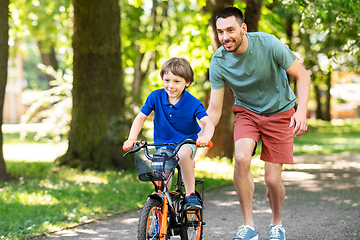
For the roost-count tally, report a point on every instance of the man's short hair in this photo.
(231, 11)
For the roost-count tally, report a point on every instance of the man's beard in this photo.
(236, 47)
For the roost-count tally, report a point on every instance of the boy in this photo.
(176, 114)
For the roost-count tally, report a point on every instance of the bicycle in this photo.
(163, 214)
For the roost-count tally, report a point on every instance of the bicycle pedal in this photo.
(199, 182)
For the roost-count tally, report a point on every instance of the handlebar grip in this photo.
(210, 144)
(133, 144)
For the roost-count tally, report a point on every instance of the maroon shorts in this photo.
(276, 135)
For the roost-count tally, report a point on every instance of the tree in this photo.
(48, 22)
(224, 130)
(252, 14)
(97, 126)
(4, 54)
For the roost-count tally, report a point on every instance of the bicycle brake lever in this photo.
(136, 147)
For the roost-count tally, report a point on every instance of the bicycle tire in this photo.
(193, 230)
(148, 228)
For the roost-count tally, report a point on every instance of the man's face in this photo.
(230, 34)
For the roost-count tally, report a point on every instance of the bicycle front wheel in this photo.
(193, 230)
(150, 220)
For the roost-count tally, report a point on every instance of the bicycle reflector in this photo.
(159, 161)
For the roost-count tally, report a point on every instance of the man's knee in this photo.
(242, 159)
(273, 179)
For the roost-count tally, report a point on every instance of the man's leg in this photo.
(243, 180)
(275, 190)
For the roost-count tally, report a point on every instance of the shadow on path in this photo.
(322, 202)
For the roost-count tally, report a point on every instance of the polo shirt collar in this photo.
(166, 102)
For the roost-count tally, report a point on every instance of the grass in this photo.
(325, 137)
(42, 197)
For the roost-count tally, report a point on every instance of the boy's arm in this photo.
(134, 131)
(206, 133)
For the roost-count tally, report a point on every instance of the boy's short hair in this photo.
(179, 67)
(231, 11)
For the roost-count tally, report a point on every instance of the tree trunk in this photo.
(98, 127)
(4, 53)
(139, 77)
(252, 14)
(318, 101)
(289, 34)
(223, 136)
(327, 115)
(48, 58)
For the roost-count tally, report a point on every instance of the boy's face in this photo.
(174, 85)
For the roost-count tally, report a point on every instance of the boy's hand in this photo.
(202, 142)
(128, 145)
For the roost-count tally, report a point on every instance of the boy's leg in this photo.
(187, 169)
(243, 180)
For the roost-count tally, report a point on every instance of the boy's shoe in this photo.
(246, 233)
(277, 232)
(192, 202)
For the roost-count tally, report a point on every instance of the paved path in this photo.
(322, 202)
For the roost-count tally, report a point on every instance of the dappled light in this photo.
(34, 152)
(226, 204)
(130, 221)
(89, 179)
(31, 199)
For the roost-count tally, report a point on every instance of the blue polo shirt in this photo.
(174, 123)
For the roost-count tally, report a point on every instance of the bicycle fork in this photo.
(164, 219)
(162, 214)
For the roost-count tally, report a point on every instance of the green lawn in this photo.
(42, 197)
(329, 137)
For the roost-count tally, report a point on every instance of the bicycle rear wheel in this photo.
(149, 221)
(193, 230)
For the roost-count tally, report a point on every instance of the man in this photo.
(255, 66)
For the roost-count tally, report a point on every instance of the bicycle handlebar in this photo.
(143, 144)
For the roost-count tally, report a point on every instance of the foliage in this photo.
(52, 107)
(48, 197)
(46, 22)
(177, 29)
(333, 27)
(43, 197)
(181, 29)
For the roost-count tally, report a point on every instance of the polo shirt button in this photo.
(171, 106)
(170, 115)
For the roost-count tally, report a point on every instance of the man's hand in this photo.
(301, 124)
